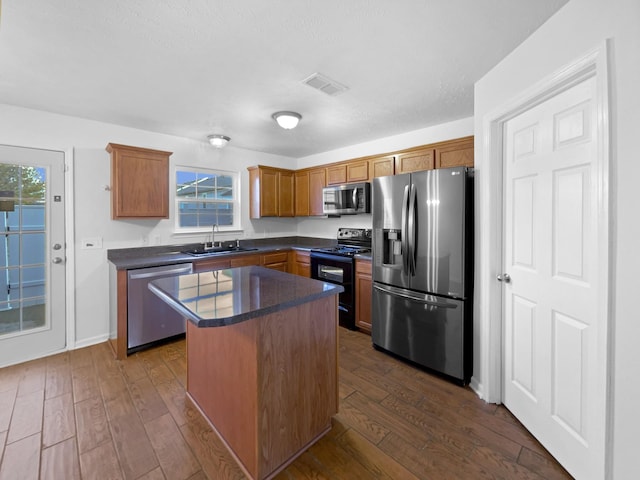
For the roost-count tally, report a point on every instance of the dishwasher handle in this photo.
(160, 271)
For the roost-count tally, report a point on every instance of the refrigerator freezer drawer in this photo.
(432, 331)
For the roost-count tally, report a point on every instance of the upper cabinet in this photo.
(308, 191)
(348, 172)
(271, 192)
(381, 166)
(455, 153)
(415, 160)
(139, 182)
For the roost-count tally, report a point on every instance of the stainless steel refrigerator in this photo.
(423, 268)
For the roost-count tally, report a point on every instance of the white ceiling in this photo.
(195, 67)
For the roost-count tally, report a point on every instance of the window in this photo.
(205, 198)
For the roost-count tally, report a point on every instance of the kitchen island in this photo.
(262, 359)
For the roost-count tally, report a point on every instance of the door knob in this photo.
(57, 260)
(57, 246)
(504, 277)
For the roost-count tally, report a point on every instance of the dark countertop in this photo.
(142, 257)
(225, 297)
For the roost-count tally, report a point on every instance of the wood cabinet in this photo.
(364, 287)
(381, 166)
(348, 172)
(308, 192)
(211, 264)
(415, 160)
(276, 260)
(456, 153)
(301, 263)
(139, 182)
(337, 174)
(317, 182)
(245, 260)
(271, 192)
(302, 193)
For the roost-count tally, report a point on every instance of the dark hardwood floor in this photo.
(83, 414)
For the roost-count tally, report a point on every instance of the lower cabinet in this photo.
(211, 264)
(301, 263)
(276, 260)
(363, 294)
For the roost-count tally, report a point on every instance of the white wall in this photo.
(579, 27)
(327, 227)
(30, 128)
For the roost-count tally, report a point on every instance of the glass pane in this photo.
(185, 184)
(32, 248)
(22, 247)
(33, 282)
(9, 318)
(10, 250)
(12, 281)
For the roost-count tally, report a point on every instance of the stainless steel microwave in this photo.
(347, 199)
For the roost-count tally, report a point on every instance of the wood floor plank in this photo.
(355, 418)
(379, 464)
(111, 383)
(84, 381)
(58, 381)
(432, 461)
(80, 358)
(404, 391)
(21, 459)
(93, 426)
(388, 418)
(173, 395)
(132, 369)
(155, 474)
(362, 385)
(147, 401)
(216, 461)
(500, 466)
(27, 416)
(543, 465)
(3, 439)
(7, 400)
(101, 463)
(59, 420)
(174, 454)
(60, 461)
(132, 445)
(10, 377)
(33, 378)
(338, 461)
(120, 405)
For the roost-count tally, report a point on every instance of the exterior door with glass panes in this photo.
(32, 254)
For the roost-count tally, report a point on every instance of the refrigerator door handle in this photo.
(412, 231)
(420, 298)
(404, 244)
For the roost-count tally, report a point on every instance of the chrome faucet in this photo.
(208, 246)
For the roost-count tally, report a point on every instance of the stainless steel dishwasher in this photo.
(149, 319)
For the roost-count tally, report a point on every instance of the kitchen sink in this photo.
(202, 252)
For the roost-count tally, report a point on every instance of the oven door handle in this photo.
(420, 298)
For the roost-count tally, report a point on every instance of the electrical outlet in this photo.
(91, 243)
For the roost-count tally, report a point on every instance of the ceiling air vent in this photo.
(325, 84)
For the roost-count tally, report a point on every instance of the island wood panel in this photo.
(287, 363)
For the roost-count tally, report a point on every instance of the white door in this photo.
(554, 363)
(32, 254)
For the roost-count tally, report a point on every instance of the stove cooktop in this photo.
(351, 241)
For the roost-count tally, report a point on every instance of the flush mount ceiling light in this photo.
(218, 141)
(287, 120)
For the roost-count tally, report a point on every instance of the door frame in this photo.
(489, 302)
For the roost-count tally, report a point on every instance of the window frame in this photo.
(237, 205)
